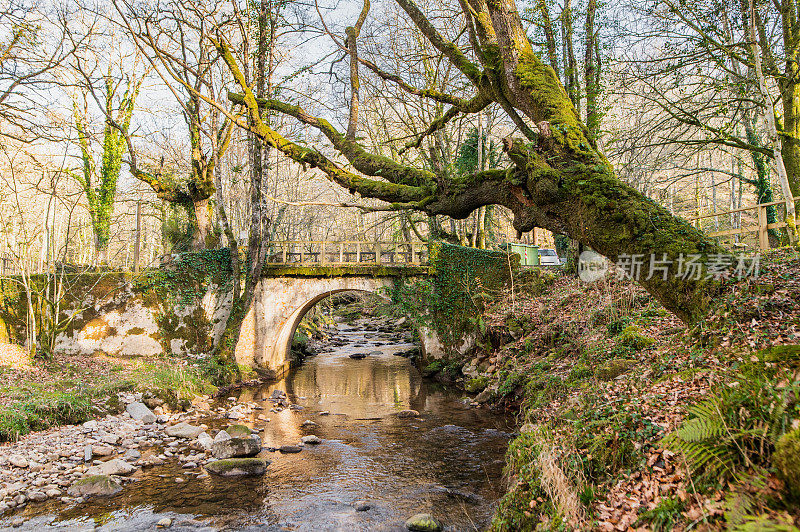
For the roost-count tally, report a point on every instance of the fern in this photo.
(735, 429)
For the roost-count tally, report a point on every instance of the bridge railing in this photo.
(355, 252)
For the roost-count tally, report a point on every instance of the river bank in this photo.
(392, 445)
(629, 420)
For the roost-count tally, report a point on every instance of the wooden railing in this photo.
(335, 253)
(760, 228)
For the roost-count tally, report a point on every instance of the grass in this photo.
(70, 395)
(44, 410)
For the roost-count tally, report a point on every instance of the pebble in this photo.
(164, 523)
(18, 461)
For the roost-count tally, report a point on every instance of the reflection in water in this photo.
(448, 462)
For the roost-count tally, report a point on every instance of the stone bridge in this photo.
(300, 274)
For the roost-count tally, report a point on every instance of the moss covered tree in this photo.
(100, 185)
(558, 179)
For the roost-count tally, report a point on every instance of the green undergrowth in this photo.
(582, 370)
(36, 405)
(43, 410)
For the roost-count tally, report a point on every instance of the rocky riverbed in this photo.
(337, 421)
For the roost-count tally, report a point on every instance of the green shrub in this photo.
(219, 371)
(616, 327)
(520, 507)
(433, 368)
(613, 439)
(44, 410)
(509, 382)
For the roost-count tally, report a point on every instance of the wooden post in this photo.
(377, 252)
(138, 242)
(322, 255)
(413, 256)
(283, 250)
(358, 251)
(763, 239)
(341, 253)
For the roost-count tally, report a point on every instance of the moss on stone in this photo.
(787, 461)
(633, 337)
(477, 384)
(612, 369)
(231, 467)
(239, 431)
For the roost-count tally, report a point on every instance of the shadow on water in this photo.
(447, 462)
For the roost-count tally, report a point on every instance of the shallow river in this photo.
(448, 462)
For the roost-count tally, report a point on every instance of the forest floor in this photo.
(631, 421)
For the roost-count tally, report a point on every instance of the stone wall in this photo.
(113, 313)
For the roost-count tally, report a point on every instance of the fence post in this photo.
(341, 253)
(377, 252)
(283, 251)
(763, 238)
(322, 256)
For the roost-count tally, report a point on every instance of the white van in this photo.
(549, 257)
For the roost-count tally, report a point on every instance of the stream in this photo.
(372, 471)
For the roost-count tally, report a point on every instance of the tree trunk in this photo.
(590, 76)
(568, 187)
(100, 249)
(791, 140)
(772, 131)
(259, 224)
(201, 238)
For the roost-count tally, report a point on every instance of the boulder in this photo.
(100, 450)
(290, 448)
(222, 436)
(204, 440)
(423, 523)
(236, 448)
(407, 413)
(95, 485)
(183, 430)
(140, 412)
(232, 467)
(117, 466)
(312, 439)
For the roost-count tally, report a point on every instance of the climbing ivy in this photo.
(185, 280)
(451, 299)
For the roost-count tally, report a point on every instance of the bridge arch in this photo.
(280, 304)
(286, 335)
